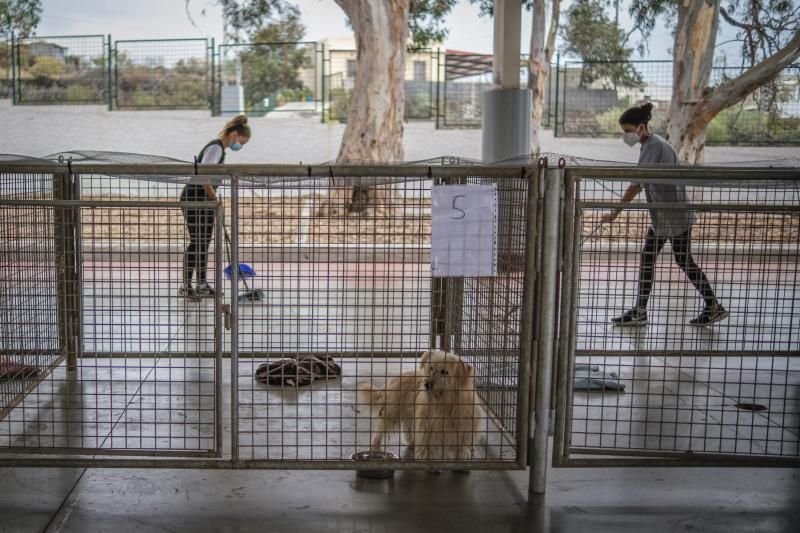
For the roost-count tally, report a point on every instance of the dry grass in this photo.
(292, 220)
(708, 227)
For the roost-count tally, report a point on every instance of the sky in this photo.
(148, 19)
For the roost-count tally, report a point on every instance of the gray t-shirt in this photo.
(658, 152)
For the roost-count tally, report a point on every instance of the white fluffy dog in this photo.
(435, 405)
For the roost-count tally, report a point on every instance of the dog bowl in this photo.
(365, 457)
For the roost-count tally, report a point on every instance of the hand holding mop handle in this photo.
(605, 219)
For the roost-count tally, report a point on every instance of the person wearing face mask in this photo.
(200, 222)
(666, 225)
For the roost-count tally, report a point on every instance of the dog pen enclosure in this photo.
(104, 365)
(102, 358)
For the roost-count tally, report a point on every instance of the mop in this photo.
(245, 271)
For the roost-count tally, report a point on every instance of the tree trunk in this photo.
(374, 131)
(694, 105)
(541, 54)
(695, 37)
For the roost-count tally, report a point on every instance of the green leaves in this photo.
(590, 34)
(20, 16)
(426, 21)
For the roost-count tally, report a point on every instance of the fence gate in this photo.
(672, 393)
(162, 74)
(99, 354)
(60, 70)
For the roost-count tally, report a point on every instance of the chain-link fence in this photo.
(257, 78)
(162, 74)
(60, 70)
(591, 96)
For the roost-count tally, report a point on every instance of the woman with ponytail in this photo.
(666, 225)
(200, 222)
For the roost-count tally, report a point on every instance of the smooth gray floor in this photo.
(124, 390)
(597, 500)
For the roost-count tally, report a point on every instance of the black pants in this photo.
(681, 251)
(200, 223)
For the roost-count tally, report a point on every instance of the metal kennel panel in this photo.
(344, 266)
(139, 367)
(728, 393)
(29, 336)
(341, 259)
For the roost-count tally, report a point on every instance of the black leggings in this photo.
(200, 223)
(681, 245)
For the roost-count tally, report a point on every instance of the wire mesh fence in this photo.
(257, 78)
(339, 333)
(162, 74)
(688, 355)
(60, 70)
(591, 96)
(344, 294)
(110, 362)
(29, 338)
(421, 80)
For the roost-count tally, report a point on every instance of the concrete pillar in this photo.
(507, 107)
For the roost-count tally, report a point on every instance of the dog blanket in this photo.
(12, 370)
(298, 372)
(592, 378)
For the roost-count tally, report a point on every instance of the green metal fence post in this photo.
(564, 102)
(438, 81)
(322, 87)
(558, 74)
(13, 70)
(109, 81)
(115, 86)
(212, 82)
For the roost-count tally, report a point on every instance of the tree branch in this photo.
(550, 45)
(736, 89)
(733, 22)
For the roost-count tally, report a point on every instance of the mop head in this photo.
(255, 295)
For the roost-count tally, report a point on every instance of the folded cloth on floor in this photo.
(12, 370)
(299, 371)
(592, 378)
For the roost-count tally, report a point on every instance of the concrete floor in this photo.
(126, 392)
(613, 500)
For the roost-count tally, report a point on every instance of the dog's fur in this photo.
(435, 405)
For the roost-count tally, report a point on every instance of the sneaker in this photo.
(709, 315)
(204, 290)
(633, 317)
(188, 292)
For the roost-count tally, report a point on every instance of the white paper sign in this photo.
(464, 230)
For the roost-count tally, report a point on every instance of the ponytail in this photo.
(237, 124)
(637, 115)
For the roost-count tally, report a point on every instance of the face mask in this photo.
(237, 146)
(630, 138)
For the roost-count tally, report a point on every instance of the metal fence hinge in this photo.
(226, 313)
